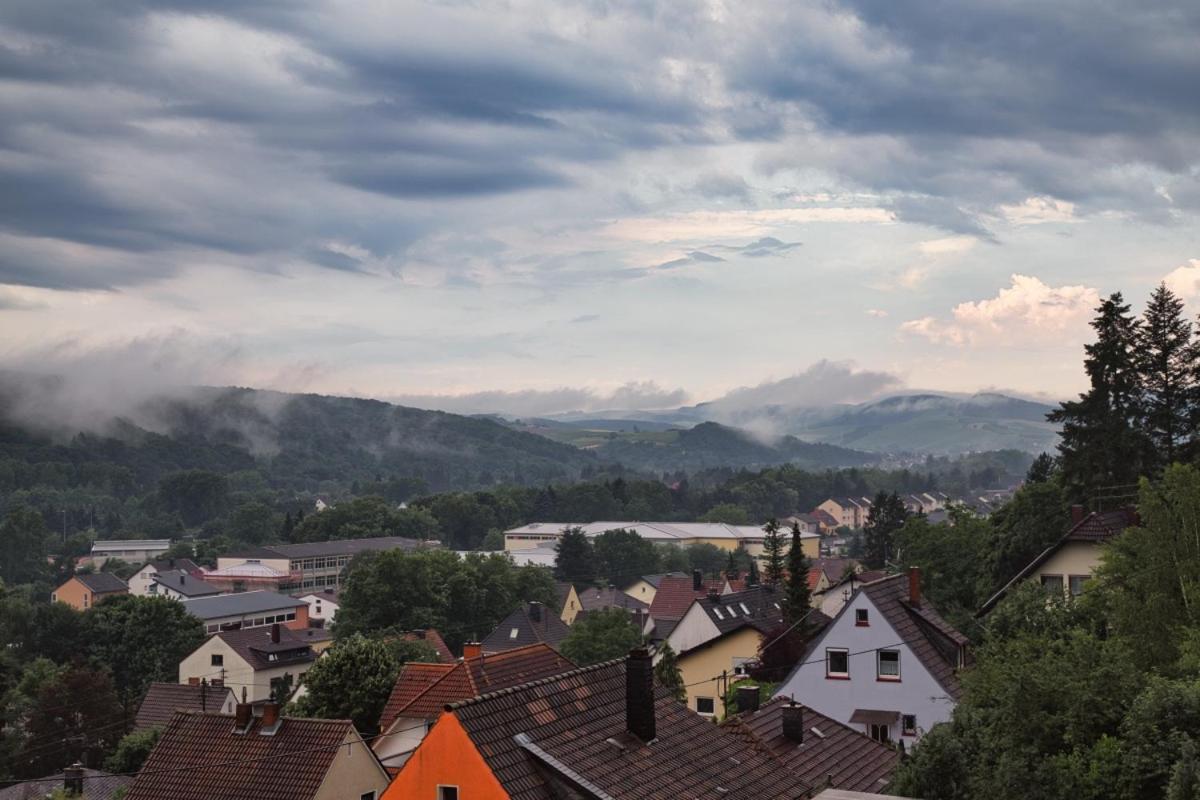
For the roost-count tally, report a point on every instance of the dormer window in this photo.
(717, 611)
(513, 633)
(745, 610)
(732, 613)
(861, 617)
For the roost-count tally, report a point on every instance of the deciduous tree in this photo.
(601, 635)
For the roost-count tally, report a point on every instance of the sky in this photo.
(544, 206)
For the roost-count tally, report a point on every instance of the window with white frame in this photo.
(908, 725)
(706, 706)
(837, 662)
(888, 665)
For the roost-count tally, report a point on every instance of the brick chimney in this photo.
(472, 650)
(73, 779)
(1077, 514)
(793, 722)
(747, 699)
(914, 586)
(697, 580)
(270, 719)
(275, 633)
(193, 681)
(639, 694)
(243, 715)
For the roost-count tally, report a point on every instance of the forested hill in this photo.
(298, 442)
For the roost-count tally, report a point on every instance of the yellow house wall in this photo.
(572, 607)
(1073, 558)
(642, 590)
(701, 665)
(354, 772)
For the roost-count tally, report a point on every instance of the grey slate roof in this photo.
(102, 582)
(549, 629)
(229, 605)
(187, 585)
(756, 607)
(255, 646)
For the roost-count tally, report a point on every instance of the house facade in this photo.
(322, 606)
(568, 602)
(83, 591)
(886, 665)
(848, 511)
(140, 581)
(261, 661)
(179, 585)
(1065, 566)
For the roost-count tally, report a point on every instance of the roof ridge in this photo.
(540, 681)
(192, 713)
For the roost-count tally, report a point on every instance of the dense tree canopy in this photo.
(600, 636)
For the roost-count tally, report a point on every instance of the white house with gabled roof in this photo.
(887, 665)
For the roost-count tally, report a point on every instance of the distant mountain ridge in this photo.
(906, 423)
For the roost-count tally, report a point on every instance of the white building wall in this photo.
(693, 630)
(139, 582)
(916, 693)
(403, 737)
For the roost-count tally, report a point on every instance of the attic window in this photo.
(447, 793)
(717, 611)
(512, 635)
(744, 609)
(861, 617)
(732, 613)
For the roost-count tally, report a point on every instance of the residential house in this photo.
(812, 744)
(140, 582)
(267, 757)
(838, 592)
(529, 624)
(595, 733)
(645, 587)
(179, 585)
(248, 610)
(674, 596)
(568, 602)
(827, 522)
(717, 637)
(162, 700)
(262, 662)
(76, 781)
(322, 605)
(542, 535)
(1066, 565)
(134, 551)
(313, 565)
(850, 512)
(431, 637)
(808, 523)
(84, 590)
(593, 599)
(423, 690)
(886, 665)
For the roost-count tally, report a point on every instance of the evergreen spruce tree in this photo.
(575, 561)
(772, 553)
(797, 599)
(1101, 444)
(1042, 469)
(887, 516)
(1165, 365)
(667, 673)
(752, 573)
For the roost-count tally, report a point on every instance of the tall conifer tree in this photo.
(1164, 357)
(772, 553)
(1101, 444)
(887, 516)
(797, 600)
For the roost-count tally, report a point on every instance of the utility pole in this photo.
(64, 513)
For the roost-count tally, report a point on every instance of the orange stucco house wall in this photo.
(446, 757)
(78, 596)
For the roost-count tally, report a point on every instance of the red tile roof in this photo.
(423, 690)
(162, 700)
(675, 594)
(576, 722)
(829, 750)
(289, 765)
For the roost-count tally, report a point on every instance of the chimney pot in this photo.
(472, 650)
(243, 713)
(73, 779)
(182, 579)
(697, 580)
(639, 694)
(793, 722)
(535, 611)
(747, 699)
(275, 633)
(1076, 514)
(914, 586)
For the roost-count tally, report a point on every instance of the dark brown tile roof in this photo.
(423, 690)
(97, 785)
(830, 750)
(102, 582)
(256, 647)
(199, 757)
(431, 637)
(548, 628)
(934, 641)
(162, 700)
(596, 599)
(576, 721)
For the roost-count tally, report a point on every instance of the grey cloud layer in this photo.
(158, 134)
